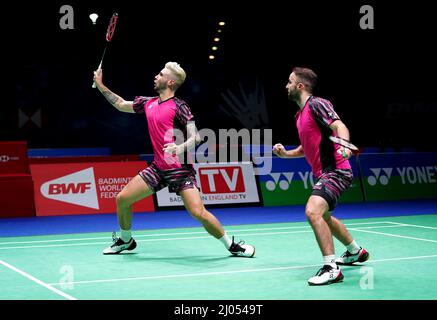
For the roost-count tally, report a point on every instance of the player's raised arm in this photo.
(280, 151)
(117, 101)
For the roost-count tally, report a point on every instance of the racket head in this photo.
(111, 27)
(344, 143)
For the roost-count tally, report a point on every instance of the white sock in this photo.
(353, 247)
(330, 260)
(125, 235)
(226, 241)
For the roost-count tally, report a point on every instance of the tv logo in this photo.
(78, 188)
(383, 177)
(221, 180)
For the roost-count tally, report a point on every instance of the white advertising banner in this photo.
(219, 183)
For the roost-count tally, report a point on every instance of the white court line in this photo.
(413, 225)
(41, 283)
(234, 271)
(394, 235)
(179, 233)
(147, 240)
(169, 239)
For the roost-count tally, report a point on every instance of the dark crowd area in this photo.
(381, 80)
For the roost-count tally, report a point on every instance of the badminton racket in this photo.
(345, 143)
(109, 35)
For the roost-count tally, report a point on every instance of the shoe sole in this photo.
(338, 279)
(134, 245)
(362, 258)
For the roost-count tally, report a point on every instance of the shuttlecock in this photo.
(93, 17)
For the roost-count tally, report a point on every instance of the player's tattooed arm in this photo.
(117, 101)
(111, 97)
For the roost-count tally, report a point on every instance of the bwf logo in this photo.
(63, 188)
(380, 174)
(78, 188)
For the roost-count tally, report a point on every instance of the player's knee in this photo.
(122, 200)
(197, 212)
(312, 214)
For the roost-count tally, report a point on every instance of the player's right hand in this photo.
(279, 150)
(98, 76)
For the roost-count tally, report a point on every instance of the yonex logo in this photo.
(4, 158)
(380, 174)
(78, 188)
(283, 180)
(284, 184)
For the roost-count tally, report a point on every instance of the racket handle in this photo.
(100, 66)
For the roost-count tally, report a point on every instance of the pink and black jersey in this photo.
(313, 122)
(163, 117)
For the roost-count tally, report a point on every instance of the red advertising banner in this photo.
(13, 157)
(84, 188)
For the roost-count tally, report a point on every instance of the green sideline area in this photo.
(188, 264)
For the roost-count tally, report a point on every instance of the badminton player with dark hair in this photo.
(316, 121)
(165, 113)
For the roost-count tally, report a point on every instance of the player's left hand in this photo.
(172, 148)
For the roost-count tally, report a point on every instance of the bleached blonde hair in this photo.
(179, 73)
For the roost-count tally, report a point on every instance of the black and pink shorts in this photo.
(177, 179)
(332, 184)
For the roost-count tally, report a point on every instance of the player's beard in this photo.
(293, 95)
(159, 86)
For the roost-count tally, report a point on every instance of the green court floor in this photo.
(188, 264)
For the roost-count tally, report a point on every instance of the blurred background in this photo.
(381, 81)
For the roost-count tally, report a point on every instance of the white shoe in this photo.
(348, 258)
(326, 275)
(119, 245)
(242, 250)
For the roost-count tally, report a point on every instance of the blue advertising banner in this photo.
(290, 182)
(396, 176)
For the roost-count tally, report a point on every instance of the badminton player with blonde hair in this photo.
(165, 113)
